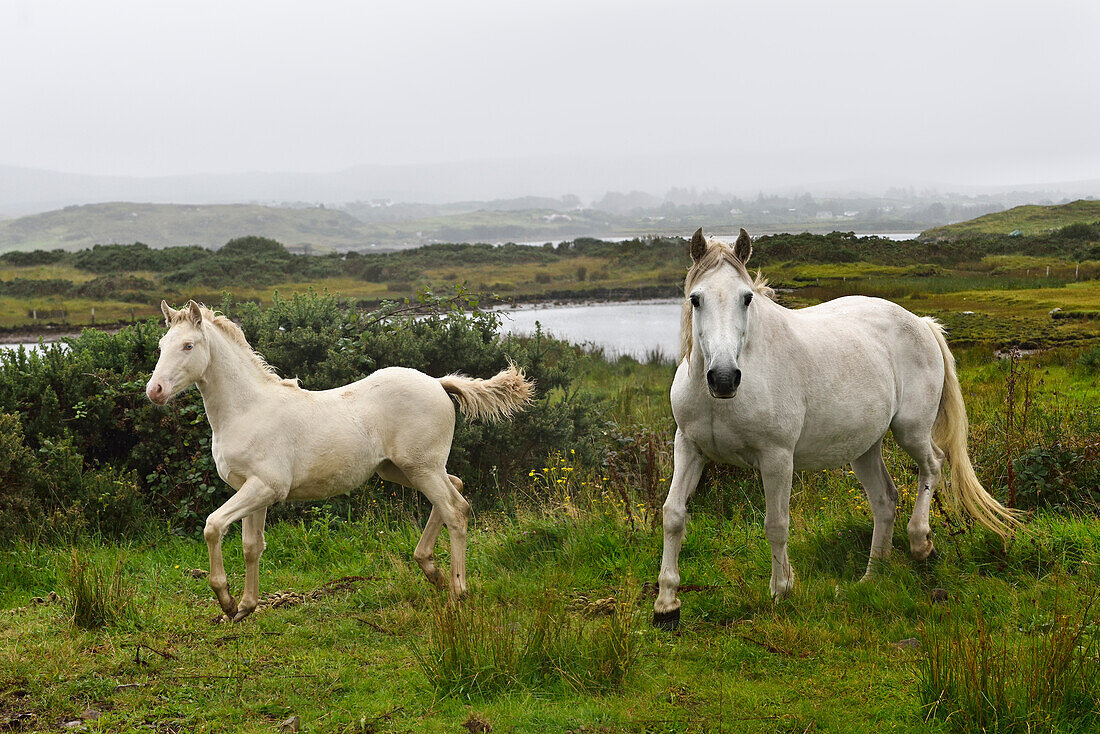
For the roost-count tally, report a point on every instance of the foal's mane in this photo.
(717, 253)
(224, 324)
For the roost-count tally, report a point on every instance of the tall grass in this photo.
(482, 648)
(98, 598)
(980, 681)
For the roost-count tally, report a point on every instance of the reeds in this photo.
(483, 648)
(986, 682)
(98, 598)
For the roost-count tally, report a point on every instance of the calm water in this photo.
(633, 328)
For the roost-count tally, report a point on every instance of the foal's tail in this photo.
(494, 399)
(964, 491)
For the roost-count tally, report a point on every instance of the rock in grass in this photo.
(909, 643)
(291, 725)
(939, 595)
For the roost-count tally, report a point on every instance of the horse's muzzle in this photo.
(158, 392)
(723, 383)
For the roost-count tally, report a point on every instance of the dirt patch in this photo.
(280, 599)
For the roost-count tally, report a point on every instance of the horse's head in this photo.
(184, 353)
(719, 295)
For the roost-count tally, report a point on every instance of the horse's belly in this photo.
(327, 475)
(838, 442)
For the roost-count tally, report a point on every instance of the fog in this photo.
(560, 96)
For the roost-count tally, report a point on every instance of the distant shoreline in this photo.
(51, 333)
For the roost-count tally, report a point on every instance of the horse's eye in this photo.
(748, 298)
(188, 347)
(694, 300)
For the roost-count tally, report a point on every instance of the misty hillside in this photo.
(1028, 219)
(166, 225)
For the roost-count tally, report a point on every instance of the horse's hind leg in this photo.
(449, 508)
(424, 555)
(882, 495)
(918, 444)
(425, 549)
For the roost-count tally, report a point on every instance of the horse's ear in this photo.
(194, 313)
(169, 313)
(698, 245)
(742, 248)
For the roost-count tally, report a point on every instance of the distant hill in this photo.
(167, 225)
(1028, 219)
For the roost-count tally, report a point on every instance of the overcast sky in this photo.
(985, 92)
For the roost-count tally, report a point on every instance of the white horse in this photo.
(762, 386)
(273, 441)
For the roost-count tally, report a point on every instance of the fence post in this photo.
(93, 315)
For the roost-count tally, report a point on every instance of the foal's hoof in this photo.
(230, 609)
(667, 621)
(242, 612)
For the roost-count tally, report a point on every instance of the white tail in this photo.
(963, 491)
(494, 399)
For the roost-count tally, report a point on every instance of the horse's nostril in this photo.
(710, 377)
(736, 378)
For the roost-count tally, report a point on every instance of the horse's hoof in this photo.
(242, 613)
(932, 557)
(230, 609)
(667, 621)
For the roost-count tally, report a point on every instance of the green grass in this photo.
(1028, 219)
(378, 651)
(555, 635)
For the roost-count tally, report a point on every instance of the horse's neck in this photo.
(233, 383)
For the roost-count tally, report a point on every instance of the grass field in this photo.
(1009, 297)
(556, 635)
(1027, 219)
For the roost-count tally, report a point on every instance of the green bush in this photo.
(91, 452)
(1059, 477)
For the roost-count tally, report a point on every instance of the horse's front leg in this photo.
(687, 468)
(252, 542)
(776, 472)
(252, 497)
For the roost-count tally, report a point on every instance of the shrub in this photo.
(1090, 360)
(1059, 477)
(21, 481)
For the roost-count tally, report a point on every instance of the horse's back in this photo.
(864, 361)
(826, 386)
(408, 411)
